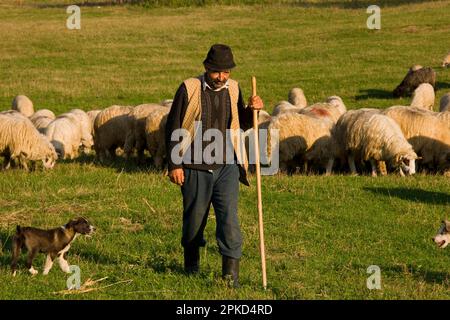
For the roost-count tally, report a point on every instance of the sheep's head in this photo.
(406, 162)
(50, 156)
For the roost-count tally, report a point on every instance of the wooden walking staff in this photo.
(258, 187)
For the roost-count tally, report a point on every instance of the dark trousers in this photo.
(221, 188)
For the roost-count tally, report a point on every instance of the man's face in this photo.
(218, 78)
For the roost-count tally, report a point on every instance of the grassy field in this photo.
(322, 233)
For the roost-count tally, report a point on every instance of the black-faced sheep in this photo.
(413, 79)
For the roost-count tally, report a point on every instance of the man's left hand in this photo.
(255, 103)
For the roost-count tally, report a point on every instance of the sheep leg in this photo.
(23, 162)
(329, 166)
(351, 164)
(382, 168)
(401, 172)
(373, 164)
(6, 162)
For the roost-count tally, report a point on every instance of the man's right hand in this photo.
(177, 176)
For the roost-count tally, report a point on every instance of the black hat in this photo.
(219, 58)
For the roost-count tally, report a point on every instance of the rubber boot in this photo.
(230, 271)
(191, 260)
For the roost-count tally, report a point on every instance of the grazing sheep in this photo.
(445, 102)
(332, 110)
(41, 124)
(342, 135)
(338, 103)
(41, 119)
(92, 114)
(135, 137)
(371, 136)
(65, 134)
(13, 113)
(429, 135)
(155, 132)
(298, 135)
(110, 129)
(413, 79)
(43, 113)
(19, 140)
(87, 141)
(423, 97)
(284, 107)
(446, 61)
(297, 98)
(23, 104)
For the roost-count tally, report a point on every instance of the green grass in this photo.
(321, 232)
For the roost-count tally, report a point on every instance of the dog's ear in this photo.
(71, 223)
(447, 225)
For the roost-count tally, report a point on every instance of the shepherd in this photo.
(211, 101)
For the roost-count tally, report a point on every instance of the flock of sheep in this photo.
(326, 135)
(323, 136)
(28, 136)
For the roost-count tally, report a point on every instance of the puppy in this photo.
(442, 239)
(55, 243)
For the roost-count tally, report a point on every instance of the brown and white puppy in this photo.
(442, 239)
(55, 243)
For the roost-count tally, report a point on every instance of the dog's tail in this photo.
(17, 243)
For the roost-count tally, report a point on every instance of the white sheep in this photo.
(41, 119)
(300, 139)
(429, 135)
(155, 125)
(65, 134)
(135, 137)
(331, 110)
(284, 107)
(87, 141)
(423, 97)
(19, 140)
(371, 136)
(110, 129)
(444, 104)
(297, 98)
(41, 124)
(43, 113)
(23, 104)
(338, 103)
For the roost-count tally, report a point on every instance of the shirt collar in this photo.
(206, 85)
